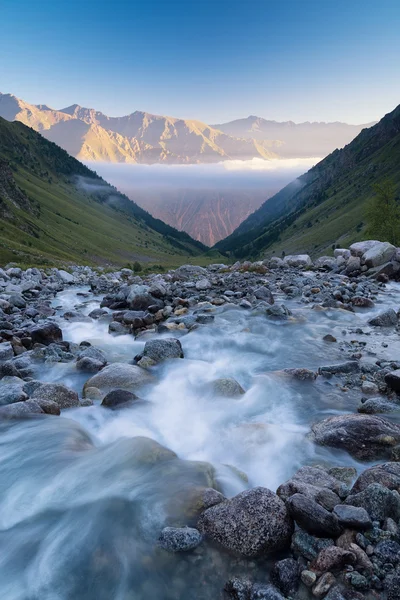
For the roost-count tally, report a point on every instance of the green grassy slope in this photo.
(326, 205)
(53, 210)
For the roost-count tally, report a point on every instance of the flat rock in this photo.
(367, 437)
(20, 410)
(56, 392)
(179, 539)
(352, 516)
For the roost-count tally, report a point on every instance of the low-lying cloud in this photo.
(206, 201)
(232, 174)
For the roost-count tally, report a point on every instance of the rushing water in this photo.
(82, 501)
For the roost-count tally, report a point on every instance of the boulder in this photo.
(341, 252)
(227, 387)
(58, 393)
(352, 517)
(253, 523)
(378, 254)
(20, 410)
(65, 276)
(379, 502)
(360, 248)
(46, 334)
(285, 575)
(387, 318)
(366, 437)
(118, 376)
(312, 517)
(298, 260)
(6, 351)
(353, 265)
(203, 284)
(118, 398)
(392, 380)
(332, 558)
(179, 539)
(159, 350)
(387, 474)
(11, 390)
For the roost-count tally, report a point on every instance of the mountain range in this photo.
(327, 205)
(53, 209)
(141, 137)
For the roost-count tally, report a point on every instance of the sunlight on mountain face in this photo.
(207, 201)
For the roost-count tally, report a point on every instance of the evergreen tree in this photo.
(383, 214)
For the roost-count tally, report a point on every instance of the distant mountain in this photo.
(293, 140)
(327, 204)
(53, 209)
(136, 138)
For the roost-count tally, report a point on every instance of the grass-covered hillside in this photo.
(55, 210)
(327, 205)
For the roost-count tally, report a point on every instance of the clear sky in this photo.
(214, 60)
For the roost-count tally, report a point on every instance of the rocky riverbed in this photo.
(229, 432)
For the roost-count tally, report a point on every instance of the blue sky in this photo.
(214, 60)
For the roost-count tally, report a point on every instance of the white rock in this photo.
(378, 254)
(6, 351)
(203, 284)
(359, 248)
(298, 260)
(344, 252)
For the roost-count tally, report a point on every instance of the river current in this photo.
(81, 503)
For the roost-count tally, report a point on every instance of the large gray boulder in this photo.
(378, 254)
(46, 334)
(117, 376)
(366, 437)
(11, 390)
(6, 351)
(253, 523)
(56, 392)
(298, 260)
(387, 318)
(20, 410)
(159, 350)
(360, 248)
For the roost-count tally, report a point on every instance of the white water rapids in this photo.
(81, 509)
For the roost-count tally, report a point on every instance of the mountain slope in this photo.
(139, 137)
(53, 208)
(327, 204)
(294, 140)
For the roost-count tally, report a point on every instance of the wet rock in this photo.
(312, 517)
(159, 350)
(20, 410)
(278, 312)
(307, 545)
(329, 338)
(227, 387)
(362, 302)
(387, 474)
(392, 379)
(352, 516)
(323, 585)
(118, 398)
(205, 319)
(145, 451)
(6, 351)
(56, 392)
(366, 437)
(285, 575)
(179, 539)
(117, 376)
(387, 318)
(90, 365)
(332, 558)
(11, 390)
(351, 366)
(302, 374)
(263, 293)
(48, 406)
(238, 589)
(117, 328)
(374, 406)
(97, 313)
(261, 591)
(253, 523)
(379, 502)
(388, 551)
(46, 334)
